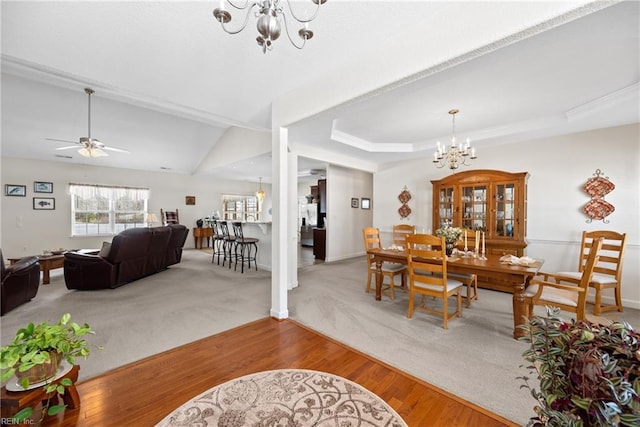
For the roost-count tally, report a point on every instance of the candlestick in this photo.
(477, 240)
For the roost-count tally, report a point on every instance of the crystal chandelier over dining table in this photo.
(457, 153)
(269, 14)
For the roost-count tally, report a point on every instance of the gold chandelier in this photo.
(269, 15)
(457, 153)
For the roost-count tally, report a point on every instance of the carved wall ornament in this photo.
(404, 198)
(597, 187)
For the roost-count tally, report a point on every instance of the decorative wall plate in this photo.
(598, 209)
(404, 196)
(597, 187)
(404, 211)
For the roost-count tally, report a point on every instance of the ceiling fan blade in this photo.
(67, 148)
(119, 150)
(62, 140)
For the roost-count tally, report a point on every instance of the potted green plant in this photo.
(35, 353)
(589, 374)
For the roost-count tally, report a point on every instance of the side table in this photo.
(200, 233)
(14, 401)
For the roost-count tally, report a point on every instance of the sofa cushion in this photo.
(104, 251)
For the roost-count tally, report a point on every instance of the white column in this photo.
(280, 259)
(293, 225)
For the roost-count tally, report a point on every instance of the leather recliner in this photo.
(20, 282)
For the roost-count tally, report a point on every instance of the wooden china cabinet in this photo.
(490, 201)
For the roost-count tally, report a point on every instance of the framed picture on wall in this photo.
(15, 190)
(354, 202)
(190, 200)
(42, 187)
(44, 203)
(365, 203)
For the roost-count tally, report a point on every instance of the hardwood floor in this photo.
(144, 392)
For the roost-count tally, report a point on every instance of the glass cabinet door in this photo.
(474, 207)
(446, 206)
(505, 199)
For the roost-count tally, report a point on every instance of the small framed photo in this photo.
(42, 187)
(190, 200)
(44, 203)
(354, 202)
(15, 190)
(365, 203)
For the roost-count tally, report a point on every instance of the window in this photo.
(106, 210)
(240, 208)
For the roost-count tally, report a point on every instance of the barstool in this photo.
(218, 241)
(228, 243)
(244, 244)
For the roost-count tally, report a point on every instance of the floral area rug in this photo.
(288, 397)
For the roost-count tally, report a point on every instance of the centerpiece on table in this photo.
(35, 355)
(589, 374)
(451, 236)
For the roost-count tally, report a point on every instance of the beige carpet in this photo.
(476, 358)
(296, 397)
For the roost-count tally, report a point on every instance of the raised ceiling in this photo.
(169, 82)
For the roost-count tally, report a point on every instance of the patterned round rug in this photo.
(286, 397)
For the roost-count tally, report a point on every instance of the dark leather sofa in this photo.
(20, 282)
(132, 254)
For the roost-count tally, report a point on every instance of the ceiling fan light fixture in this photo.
(91, 152)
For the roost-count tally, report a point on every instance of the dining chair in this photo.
(470, 282)
(427, 267)
(400, 232)
(554, 289)
(608, 271)
(390, 270)
(169, 217)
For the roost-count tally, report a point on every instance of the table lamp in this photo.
(151, 219)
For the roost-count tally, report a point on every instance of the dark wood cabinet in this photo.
(322, 196)
(319, 243)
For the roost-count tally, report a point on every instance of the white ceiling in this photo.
(169, 82)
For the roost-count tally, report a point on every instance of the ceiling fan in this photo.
(91, 147)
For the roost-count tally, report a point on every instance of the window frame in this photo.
(96, 195)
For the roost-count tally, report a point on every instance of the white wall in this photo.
(345, 224)
(26, 231)
(558, 168)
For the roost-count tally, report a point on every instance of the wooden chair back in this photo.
(611, 254)
(555, 293)
(427, 269)
(371, 236)
(400, 232)
(169, 217)
(426, 262)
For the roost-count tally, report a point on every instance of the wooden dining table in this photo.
(517, 276)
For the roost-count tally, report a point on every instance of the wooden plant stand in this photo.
(14, 401)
